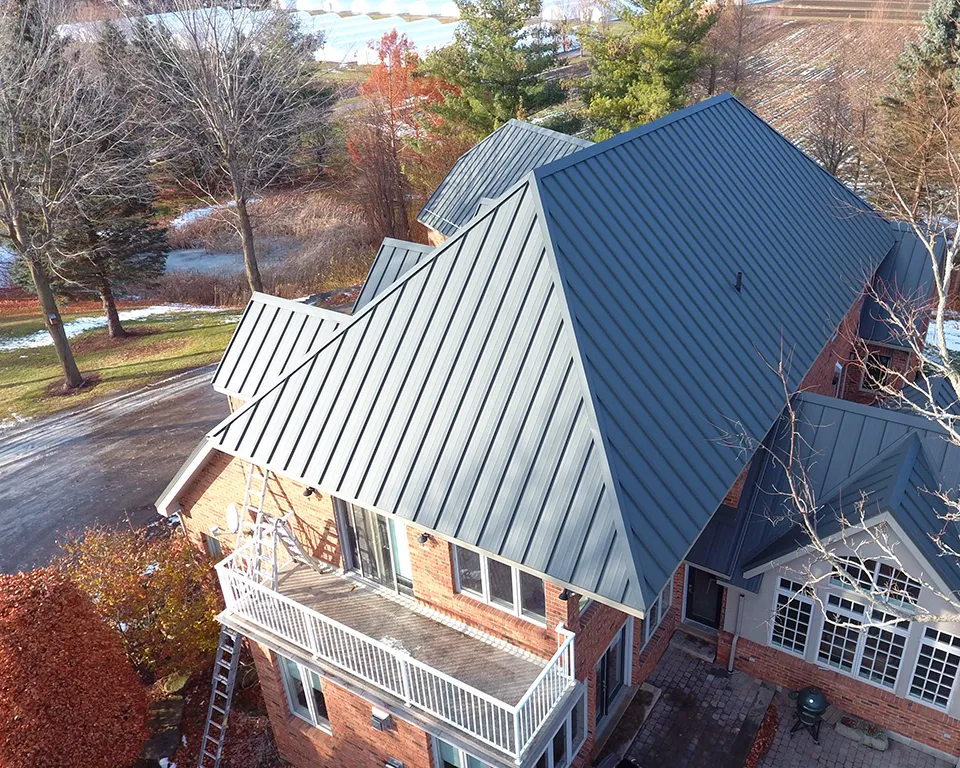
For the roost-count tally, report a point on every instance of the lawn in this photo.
(158, 347)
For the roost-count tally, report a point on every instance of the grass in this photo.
(159, 347)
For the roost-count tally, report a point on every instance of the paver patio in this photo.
(697, 721)
(835, 751)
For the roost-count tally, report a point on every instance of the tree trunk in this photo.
(114, 328)
(54, 324)
(246, 238)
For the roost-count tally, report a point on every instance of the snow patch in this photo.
(7, 258)
(13, 420)
(951, 333)
(84, 324)
(195, 214)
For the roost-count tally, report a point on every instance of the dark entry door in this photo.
(704, 598)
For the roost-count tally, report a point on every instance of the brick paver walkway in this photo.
(835, 751)
(701, 710)
(698, 717)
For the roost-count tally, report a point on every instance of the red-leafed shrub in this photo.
(68, 696)
(764, 738)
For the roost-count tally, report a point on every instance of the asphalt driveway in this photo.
(104, 464)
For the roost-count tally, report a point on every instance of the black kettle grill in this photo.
(811, 704)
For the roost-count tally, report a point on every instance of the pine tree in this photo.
(494, 70)
(919, 115)
(640, 71)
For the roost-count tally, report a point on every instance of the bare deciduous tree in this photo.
(232, 98)
(58, 140)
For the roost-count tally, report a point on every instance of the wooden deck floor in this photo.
(478, 664)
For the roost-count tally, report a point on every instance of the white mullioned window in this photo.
(873, 653)
(499, 584)
(655, 613)
(304, 693)
(885, 581)
(793, 611)
(449, 756)
(935, 672)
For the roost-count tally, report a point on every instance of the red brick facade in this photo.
(352, 743)
(907, 718)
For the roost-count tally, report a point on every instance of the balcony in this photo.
(474, 683)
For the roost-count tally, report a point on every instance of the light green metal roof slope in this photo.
(552, 384)
(393, 260)
(490, 169)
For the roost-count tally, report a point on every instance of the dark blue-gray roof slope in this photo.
(551, 384)
(394, 259)
(273, 335)
(904, 276)
(490, 169)
(898, 461)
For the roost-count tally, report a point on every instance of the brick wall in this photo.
(435, 238)
(819, 378)
(902, 716)
(899, 361)
(434, 585)
(353, 742)
(222, 481)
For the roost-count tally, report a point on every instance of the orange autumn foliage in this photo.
(68, 696)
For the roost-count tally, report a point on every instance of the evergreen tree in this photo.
(919, 115)
(640, 71)
(494, 70)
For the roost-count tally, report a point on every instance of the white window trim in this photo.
(916, 663)
(517, 609)
(649, 628)
(875, 578)
(779, 590)
(854, 673)
(567, 722)
(315, 719)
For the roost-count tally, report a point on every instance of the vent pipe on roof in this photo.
(739, 284)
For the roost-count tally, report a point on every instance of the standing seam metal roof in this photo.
(272, 336)
(552, 384)
(490, 168)
(393, 260)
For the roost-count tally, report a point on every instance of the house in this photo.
(480, 502)
(488, 170)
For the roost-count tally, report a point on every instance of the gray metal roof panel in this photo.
(273, 334)
(906, 274)
(490, 168)
(393, 260)
(638, 253)
(540, 386)
(898, 460)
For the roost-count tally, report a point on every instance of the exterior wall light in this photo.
(423, 538)
(309, 492)
(565, 595)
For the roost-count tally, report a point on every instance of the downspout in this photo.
(736, 634)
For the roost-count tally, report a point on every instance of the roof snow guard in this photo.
(490, 169)
(551, 384)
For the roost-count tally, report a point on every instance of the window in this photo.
(936, 668)
(655, 613)
(791, 620)
(886, 582)
(379, 549)
(613, 672)
(214, 548)
(304, 692)
(876, 371)
(875, 652)
(567, 739)
(454, 757)
(499, 584)
(841, 633)
(883, 650)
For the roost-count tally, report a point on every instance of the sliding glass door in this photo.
(379, 548)
(611, 675)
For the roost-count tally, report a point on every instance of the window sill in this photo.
(306, 727)
(508, 612)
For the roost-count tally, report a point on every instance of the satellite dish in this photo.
(233, 518)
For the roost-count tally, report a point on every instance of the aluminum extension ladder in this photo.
(221, 694)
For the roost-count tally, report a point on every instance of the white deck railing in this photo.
(508, 728)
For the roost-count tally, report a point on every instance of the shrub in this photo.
(159, 593)
(68, 697)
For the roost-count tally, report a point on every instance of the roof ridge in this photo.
(526, 125)
(600, 432)
(895, 447)
(634, 133)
